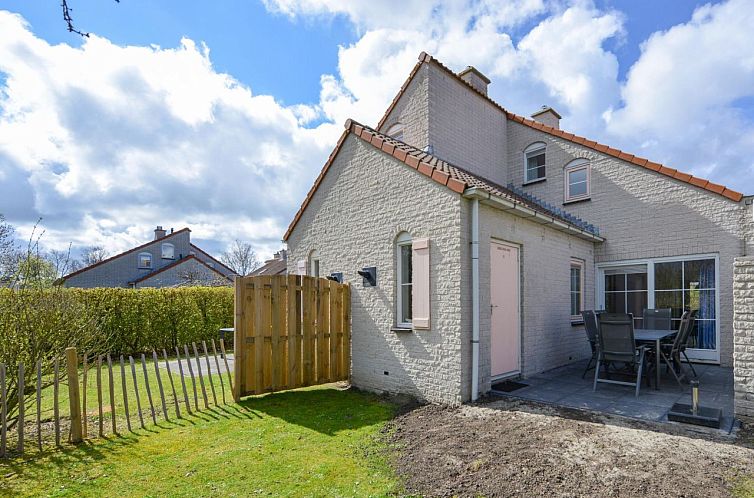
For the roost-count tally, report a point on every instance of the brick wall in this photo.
(412, 111)
(743, 337)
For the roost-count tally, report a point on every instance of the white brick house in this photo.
(492, 230)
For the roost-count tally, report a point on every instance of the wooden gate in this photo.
(291, 331)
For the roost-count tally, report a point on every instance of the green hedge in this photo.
(140, 320)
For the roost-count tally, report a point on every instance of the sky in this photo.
(219, 115)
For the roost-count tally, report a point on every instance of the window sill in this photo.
(531, 182)
(574, 201)
(401, 330)
(577, 323)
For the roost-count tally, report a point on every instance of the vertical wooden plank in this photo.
(99, 397)
(183, 381)
(267, 333)
(191, 374)
(292, 327)
(322, 288)
(225, 359)
(336, 330)
(346, 370)
(84, 415)
(172, 384)
(325, 348)
(55, 399)
(159, 384)
(250, 346)
(199, 372)
(20, 422)
(259, 304)
(39, 405)
(239, 340)
(124, 390)
(310, 316)
(136, 391)
(282, 311)
(209, 372)
(74, 397)
(219, 372)
(111, 385)
(3, 413)
(149, 391)
(276, 351)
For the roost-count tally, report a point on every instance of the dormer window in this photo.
(534, 162)
(396, 131)
(145, 260)
(168, 251)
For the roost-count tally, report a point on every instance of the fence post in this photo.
(239, 339)
(74, 400)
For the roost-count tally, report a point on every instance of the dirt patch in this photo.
(509, 447)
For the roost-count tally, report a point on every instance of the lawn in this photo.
(308, 442)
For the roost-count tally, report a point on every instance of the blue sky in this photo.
(155, 118)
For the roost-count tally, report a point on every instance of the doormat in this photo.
(508, 386)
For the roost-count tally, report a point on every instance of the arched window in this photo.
(396, 131)
(168, 251)
(403, 280)
(534, 162)
(314, 263)
(145, 260)
(577, 180)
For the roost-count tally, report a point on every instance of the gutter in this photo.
(474, 299)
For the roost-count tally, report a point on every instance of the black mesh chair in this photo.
(672, 351)
(657, 319)
(591, 327)
(615, 343)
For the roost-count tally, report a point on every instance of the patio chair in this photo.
(615, 343)
(591, 327)
(675, 349)
(657, 319)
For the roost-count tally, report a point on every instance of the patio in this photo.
(564, 386)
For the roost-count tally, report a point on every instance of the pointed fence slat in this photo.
(149, 391)
(201, 379)
(55, 397)
(209, 372)
(219, 372)
(159, 384)
(20, 423)
(84, 415)
(39, 405)
(136, 391)
(124, 390)
(191, 373)
(99, 397)
(225, 359)
(172, 385)
(183, 381)
(111, 384)
(3, 413)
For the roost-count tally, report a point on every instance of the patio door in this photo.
(505, 329)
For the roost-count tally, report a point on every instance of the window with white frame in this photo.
(403, 280)
(534, 162)
(145, 260)
(168, 251)
(396, 131)
(314, 264)
(577, 180)
(577, 289)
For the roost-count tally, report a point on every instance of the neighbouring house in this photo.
(278, 265)
(488, 233)
(170, 260)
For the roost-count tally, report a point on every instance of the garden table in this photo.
(654, 335)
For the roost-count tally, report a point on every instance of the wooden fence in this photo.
(108, 410)
(290, 331)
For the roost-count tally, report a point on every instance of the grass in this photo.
(308, 442)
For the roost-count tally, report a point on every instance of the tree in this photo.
(93, 254)
(241, 258)
(62, 262)
(7, 249)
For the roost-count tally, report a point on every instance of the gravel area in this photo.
(522, 448)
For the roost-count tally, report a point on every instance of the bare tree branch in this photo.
(240, 258)
(69, 20)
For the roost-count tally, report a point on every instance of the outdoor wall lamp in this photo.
(369, 275)
(336, 277)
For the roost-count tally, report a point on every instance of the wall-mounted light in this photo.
(369, 275)
(336, 277)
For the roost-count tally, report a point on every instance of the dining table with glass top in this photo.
(654, 336)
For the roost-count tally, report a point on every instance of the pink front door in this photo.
(504, 306)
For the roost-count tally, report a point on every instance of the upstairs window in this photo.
(577, 180)
(396, 131)
(145, 260)
(534, 162)
(168, 251)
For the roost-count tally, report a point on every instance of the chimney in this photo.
(473, 77)
(281, 255)
(159, 232)
(547, 116)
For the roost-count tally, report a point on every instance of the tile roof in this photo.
(111, 258)
(177, 263)
(604, 149)
(455, 178)
(271, 267)
(214, 259)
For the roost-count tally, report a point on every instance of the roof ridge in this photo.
(112, 258)
(213, 258)
(572, 137)
(173, 265)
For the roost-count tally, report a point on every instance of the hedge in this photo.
(140, 320)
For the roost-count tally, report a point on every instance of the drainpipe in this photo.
(474, 299)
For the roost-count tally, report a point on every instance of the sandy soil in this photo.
(516, 448)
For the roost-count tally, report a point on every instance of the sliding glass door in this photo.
(682, 283)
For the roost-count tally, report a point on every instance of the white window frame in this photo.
(703, 355)
(396, 131)
(404, 240)
(534, 150)
(314, 263)
(149, 256)
(172, 250)
(573, 166)
(577, 263)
